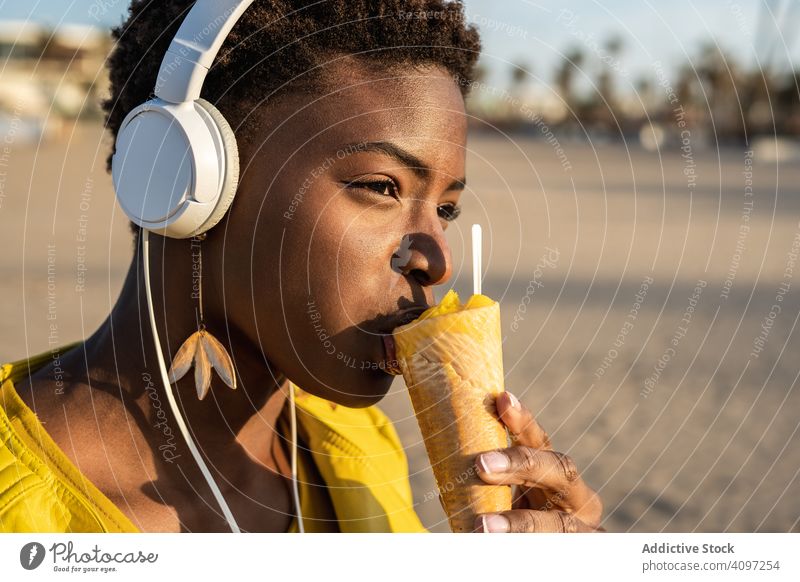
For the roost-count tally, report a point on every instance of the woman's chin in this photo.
(350, 387)
(365, 388)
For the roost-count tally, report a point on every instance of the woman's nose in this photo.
(424, 256)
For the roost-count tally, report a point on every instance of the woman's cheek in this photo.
(340, 261)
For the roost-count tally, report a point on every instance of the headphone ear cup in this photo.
(230, 181)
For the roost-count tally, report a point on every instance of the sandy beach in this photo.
(649, 306)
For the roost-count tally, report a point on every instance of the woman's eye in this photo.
(382, 187)
(449, 212)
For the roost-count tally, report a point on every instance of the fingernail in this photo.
(495, 523)
(513, 400)
(494, 462)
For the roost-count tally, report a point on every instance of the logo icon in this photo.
(31, 555)
(402, 255)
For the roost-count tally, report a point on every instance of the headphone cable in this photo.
(294, 462)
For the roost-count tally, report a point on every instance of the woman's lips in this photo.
(402, 317)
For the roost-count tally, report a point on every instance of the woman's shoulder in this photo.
(41, 490)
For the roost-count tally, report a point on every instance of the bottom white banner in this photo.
(329, 557)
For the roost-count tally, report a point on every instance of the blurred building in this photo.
(50, 77)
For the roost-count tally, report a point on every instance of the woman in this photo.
(351, 128)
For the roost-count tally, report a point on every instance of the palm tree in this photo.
(565, 79)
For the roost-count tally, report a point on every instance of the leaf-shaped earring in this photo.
(202, 370)
(184, 358)
(202, 350)
(218, 358)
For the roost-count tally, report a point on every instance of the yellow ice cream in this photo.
(452, 361)
(450, 304)
(450, 320)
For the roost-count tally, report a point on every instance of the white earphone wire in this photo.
(294, 462)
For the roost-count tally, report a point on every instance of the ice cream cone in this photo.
(451, 359)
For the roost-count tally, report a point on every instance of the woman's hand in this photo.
(549, 495)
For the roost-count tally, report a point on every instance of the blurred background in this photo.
(635, 168)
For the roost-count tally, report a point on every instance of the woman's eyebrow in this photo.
(403, 156)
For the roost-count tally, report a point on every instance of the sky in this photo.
(536, 33)
(668, 31)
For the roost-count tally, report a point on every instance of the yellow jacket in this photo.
(352, 470)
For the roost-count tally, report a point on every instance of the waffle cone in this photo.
(453, 367)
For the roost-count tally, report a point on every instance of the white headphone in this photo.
(176, 164)
(176, 169)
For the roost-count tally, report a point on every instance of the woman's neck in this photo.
(227, 423)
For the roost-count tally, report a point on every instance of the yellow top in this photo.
(352, 470)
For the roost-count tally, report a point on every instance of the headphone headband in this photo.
(197, 42)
